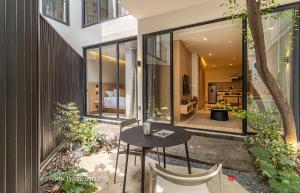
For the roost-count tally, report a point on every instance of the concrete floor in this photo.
(100, 167)
(232, 154)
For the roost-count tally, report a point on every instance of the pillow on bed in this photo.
(110, 93)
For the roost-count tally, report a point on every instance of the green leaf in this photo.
(260, 153)
(268, 169)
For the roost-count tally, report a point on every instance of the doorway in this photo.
(207, 68)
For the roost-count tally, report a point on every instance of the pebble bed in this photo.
(249, 180)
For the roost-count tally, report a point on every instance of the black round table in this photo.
(135, 136)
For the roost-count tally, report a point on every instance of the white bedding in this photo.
(111, 102)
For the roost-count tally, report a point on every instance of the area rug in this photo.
(203, 120)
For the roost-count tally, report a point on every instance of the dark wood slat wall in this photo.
(19, 153)
(61, 80)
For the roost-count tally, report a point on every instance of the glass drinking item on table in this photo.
(147, 128)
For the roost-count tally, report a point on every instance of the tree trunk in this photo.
(256, 28)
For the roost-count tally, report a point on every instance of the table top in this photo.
(219, 109)
(135, 136)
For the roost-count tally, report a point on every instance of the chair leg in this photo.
(151, 180)
(188, 158)
(126, 165)
(221, 181)
(164, 151)
(135, 160)
(158, 155)
(116, 166)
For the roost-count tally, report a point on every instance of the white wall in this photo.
(195, 74)
(79, 37)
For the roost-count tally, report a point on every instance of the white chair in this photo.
(165, 181)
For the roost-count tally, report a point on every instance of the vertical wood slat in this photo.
(61, 79)
(19, 163)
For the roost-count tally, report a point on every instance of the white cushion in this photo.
(164, 186)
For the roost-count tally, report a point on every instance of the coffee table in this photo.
(219, 114)
(135, 136)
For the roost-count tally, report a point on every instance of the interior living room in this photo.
(208, 72)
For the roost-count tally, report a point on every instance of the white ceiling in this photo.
(147, 8)
(224, 42)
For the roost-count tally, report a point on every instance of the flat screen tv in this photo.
(186, 81)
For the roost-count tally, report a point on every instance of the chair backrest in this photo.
(187, 179)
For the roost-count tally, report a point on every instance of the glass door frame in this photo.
(244, 48)
(171, 32)
(100, 46)
(145, 75)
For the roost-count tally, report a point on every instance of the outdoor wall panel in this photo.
(61, 80)
(19, 159)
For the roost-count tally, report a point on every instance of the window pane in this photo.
(158, 78)
(56, 9)
(107, 9)
(92, 65)
(128, 79)
(279, 40)
(109, 81)
(90, 12)
(121, 10)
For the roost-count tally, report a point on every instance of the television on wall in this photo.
(186, 82)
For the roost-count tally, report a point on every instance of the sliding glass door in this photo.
(111, 80)
(279, 39)
(109, 83)
(92, 81)
(128, 79)
(158, 77)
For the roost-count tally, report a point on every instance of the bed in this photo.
(111, 102)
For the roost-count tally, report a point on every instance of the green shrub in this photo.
(275, 159)
(86, 134)
(67, 121)
(66, 118)
(280, 154)
(72, 182)
(280, 181)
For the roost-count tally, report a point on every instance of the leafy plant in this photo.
(66, 118)
(86, 134)
(67, 121)
(268, 137)
(275, 159)
(285, 182)
(72, 182)
(223, 105)
(161, 113)
(281, 181)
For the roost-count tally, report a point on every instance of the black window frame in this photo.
(99, 46)
(67, 22)
(98, 18)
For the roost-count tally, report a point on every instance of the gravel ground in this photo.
(249, 180)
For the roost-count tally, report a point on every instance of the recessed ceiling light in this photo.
(205, 39)
(210, 54)
(230, 64)
(271, 28)
(229, 42)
